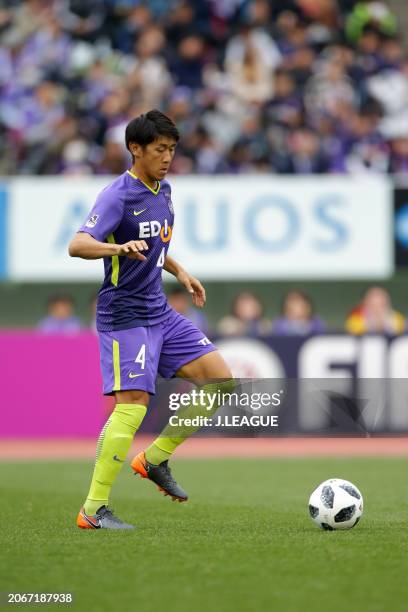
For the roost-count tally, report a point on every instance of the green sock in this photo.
(164, 446)
(154, 454)
(113, 445)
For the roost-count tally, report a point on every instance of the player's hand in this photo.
(132, 249)
(194, 287)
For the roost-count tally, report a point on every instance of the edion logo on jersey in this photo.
(150, 229)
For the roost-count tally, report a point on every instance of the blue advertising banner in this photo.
(288, 227)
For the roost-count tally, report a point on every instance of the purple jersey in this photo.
(132, 293)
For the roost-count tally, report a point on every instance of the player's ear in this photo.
(136, 150)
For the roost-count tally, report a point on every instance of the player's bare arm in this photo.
(86, 247)
(192, 284)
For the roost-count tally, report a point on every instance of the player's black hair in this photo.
(148, 127)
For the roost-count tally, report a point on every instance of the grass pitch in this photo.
(244, 541)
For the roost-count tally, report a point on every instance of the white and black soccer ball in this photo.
(336, 504)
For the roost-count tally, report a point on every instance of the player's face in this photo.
(156, 157)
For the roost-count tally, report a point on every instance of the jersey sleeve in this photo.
(105, 215)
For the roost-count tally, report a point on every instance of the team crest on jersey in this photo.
(169, 203)
(92, 221)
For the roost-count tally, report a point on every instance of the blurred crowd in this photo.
(284, 86)
(373, 314)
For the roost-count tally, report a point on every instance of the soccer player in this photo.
(130, 227)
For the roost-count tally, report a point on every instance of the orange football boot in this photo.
(102, 519)
(159, 474)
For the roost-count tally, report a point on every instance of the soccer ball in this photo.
(336, 504)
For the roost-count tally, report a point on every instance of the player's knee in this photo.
(131, 414)
(219, 392)
(132, 397)
(228, 386)
(221, 386)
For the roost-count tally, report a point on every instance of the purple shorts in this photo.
(131, 358)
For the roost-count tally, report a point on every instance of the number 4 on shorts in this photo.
(141, 356)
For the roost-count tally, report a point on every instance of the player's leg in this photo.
(123, 359)
(113, 446)
(212, 375)
(187, 353)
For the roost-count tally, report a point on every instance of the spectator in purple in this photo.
(286, 104)
(261, 85)
(187, 66)
(399, 156)
(246, 318)
(179, 300)
(298, 317)
(304, 154)
(60, 317)
(368, 152)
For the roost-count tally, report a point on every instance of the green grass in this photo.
(243, 542)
